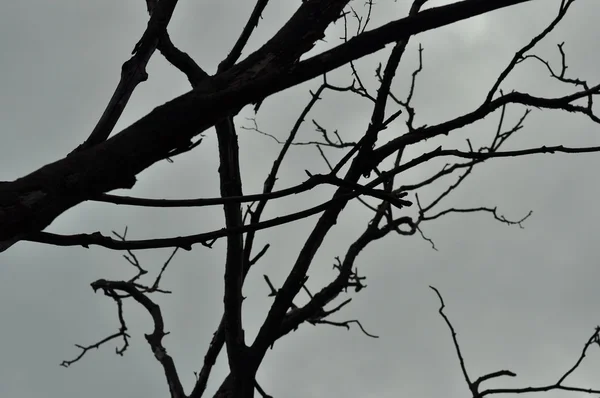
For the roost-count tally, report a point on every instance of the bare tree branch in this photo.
(155, 338)
(474, 386)
(133, 72)
(252, 23)
(41, 196)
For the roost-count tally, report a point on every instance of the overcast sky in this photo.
(520, 299)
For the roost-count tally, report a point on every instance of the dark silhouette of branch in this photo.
(475, 386)
(269, 183)
(122, 333)
(262, 392)
(179, 59)
(231, 185)
(461, 360)
(186, 242)
(316, 318)
(428, 132)
(133, 72)
(361, 166)
(100, 165)
(43, 195)
(494, 212)
(214, 349)
(518, 57)
(131, 258)
(312, 182)
(154, 339)
(252, 23)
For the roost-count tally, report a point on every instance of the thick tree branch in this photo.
(31, 203)
(342, 195)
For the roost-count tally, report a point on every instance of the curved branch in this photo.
(425, 133)
(31, 203)
(155, 338)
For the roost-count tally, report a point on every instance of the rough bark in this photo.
(29, 204)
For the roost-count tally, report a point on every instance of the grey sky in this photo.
(521, 299)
